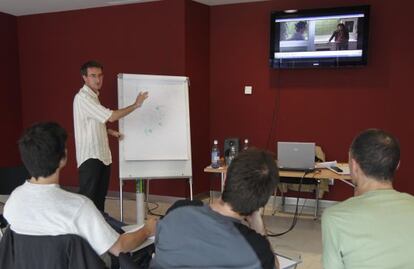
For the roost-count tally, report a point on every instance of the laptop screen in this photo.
(296, 155)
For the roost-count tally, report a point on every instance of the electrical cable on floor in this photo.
(150, 210)
(306, 200)
(295, 216)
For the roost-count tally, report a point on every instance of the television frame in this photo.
(340, 62)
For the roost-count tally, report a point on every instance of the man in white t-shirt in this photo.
(93, 155)
(41, 207)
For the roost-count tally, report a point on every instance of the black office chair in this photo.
(11, 178)
(67, 251)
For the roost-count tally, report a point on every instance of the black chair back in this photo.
(69, 251)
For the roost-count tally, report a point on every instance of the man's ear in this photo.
(354, 166)
(64, 159)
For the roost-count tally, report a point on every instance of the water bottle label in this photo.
(215, 158)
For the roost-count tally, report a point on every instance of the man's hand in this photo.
(120, 113)
(141, 98)
(115, 134)
(129, 241)
(150, 226)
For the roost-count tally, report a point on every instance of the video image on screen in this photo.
(325, 36)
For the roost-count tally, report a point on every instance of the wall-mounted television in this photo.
(314, 38)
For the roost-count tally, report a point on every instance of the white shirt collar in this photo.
(90, 91)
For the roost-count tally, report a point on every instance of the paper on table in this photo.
(328, 165)
(136, 227)
(345, 169)
(286, 263)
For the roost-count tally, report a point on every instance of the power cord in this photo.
(150, 210)
(295, 216)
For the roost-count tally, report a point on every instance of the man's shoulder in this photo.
(73, 196)
(184, 204)
(341, 208)
(18, 190)
(404, 196)
(73, 200)
(82, 94)
(368, 202)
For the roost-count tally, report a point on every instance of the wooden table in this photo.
(318, 173)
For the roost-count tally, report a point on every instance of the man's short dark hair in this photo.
(300, 25)
(377, 153)
(251, 179)
(89, 64)
(42, 147)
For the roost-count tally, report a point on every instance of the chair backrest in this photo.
(12, 177)
(69, 251)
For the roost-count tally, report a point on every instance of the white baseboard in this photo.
(151, 197)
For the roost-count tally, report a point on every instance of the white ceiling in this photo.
(28, 7)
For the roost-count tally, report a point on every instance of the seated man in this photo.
(374, 229)
(41, 207)
(213, 236)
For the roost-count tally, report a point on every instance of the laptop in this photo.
(296, 156)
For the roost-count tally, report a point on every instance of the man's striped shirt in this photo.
(91, 137)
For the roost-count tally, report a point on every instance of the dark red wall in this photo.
(165, 37)
(197, 64)
(144, 38)
(10, 108)
(197, 56)
(328, 106)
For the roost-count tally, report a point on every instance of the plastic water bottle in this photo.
(232, 153)
(246, 144)
(215, 155)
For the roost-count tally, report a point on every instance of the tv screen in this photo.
(315, 38)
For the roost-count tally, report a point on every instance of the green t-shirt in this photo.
(374, 230)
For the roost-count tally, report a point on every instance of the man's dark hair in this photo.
(42, 147)
(89, 64)
(300, 25)
(251, 179)
(377, 153)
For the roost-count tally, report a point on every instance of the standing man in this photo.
(91, 135)
(374, 229)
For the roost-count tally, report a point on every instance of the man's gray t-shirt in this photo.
(198, 237)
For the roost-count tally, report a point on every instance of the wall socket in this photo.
(248, 89)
